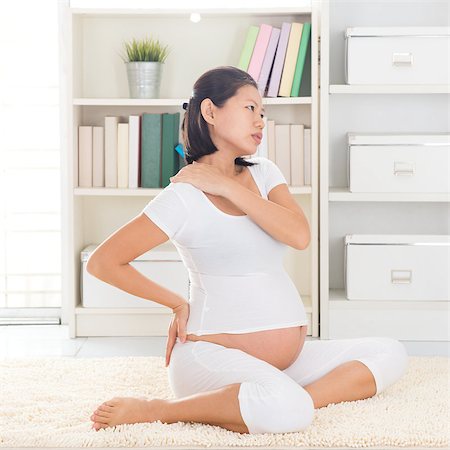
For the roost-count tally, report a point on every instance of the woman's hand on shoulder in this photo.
(205, 177)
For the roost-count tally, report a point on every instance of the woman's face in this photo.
(238, 125)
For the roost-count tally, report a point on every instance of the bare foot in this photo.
(121, 410)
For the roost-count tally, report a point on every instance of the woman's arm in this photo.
(280, 215)
(110, 261)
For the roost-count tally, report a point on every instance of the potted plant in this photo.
(144, 61)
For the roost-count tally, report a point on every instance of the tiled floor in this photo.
(17, 341)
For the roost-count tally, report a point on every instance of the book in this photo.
(249, 45)
(259, 52)
(297, 141)
(283, 150)
(262, 149)
(167, 148)
(271, 140)
(151, 150)
(290, 61)
(181, 157)
(134, 130)
(301, 59)
(307, 159)
(122, 155)
(305, 84)
(176, 140)
(275, 77)
(111, 123)
(98, 157)
(269, 59)
(85, 156)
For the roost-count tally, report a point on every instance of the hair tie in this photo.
(185, 105)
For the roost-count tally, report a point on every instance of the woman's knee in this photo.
(280, 408)
(396, 353)
(389, 363)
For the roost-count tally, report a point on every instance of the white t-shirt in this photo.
(238, 283)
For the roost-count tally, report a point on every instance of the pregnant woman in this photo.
(236, 350)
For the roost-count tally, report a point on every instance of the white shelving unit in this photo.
(94, 85)
(371, 108)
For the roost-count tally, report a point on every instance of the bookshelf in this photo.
(94, 84)
(378, 109)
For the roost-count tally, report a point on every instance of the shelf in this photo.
(338, 300)
(150, 192)
(100, 311)
(80, 310)
(179, 12)
(344, 195)
(151, 321)
(176, 101)
(389, 89)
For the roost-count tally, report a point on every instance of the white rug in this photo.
(47, 402)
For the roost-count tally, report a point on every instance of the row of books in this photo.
(279, 60)
(289, 147)
(145, 152)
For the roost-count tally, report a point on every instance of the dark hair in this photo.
(219, 85)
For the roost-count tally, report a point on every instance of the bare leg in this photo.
(347, 382)
(219, 407)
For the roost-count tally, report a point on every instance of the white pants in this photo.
(273, 400)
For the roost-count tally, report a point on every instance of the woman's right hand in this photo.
(177, 328)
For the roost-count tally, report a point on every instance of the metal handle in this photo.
(403, 168)
(401, 276)
(402, 59)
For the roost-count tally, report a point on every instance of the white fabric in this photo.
(238, 283)
(272, 400)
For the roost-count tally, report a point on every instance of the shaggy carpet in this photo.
(47, 402)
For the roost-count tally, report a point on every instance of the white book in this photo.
(307, 159)
(122, 155)
(111, 123)
(271, 140)
(283, 150)
(98, 157)
(297, 138)
(85, 156)
(263, 146)
(133, 151)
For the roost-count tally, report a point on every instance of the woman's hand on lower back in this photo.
(177, 328)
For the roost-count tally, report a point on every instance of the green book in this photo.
(301, 59)
(305, 85)
(151, 150)
(249, 45)
(176, 140)
(167, 148)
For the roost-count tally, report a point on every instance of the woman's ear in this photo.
(206, 108)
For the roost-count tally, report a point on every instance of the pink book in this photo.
(278, 64)
(262, 42)
(268, 60)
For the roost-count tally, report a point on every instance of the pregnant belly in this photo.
(279, 347)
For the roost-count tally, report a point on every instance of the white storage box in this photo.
(397, 55)
(399, 163)
(163, 267)
(397, 267)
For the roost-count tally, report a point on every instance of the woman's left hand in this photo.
(205, 177)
